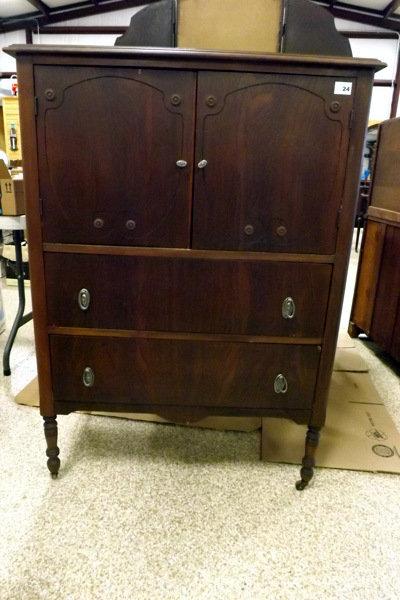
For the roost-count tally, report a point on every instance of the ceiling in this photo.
(22, 14)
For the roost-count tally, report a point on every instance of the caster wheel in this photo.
(54, 475)
(301, 485)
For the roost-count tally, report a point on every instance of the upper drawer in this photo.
(109, 142)
(276, 153)
(188, 294)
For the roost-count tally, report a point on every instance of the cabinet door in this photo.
(276, 149)
(109, 141)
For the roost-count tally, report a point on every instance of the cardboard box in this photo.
(359, 433)
(12, 192)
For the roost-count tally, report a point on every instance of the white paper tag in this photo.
(343, 88)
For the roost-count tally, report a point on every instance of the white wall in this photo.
(385, 50)
(118, 18)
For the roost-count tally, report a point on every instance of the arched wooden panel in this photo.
(276, 149)
(109, 142)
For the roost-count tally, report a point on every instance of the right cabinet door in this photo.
(271, 153)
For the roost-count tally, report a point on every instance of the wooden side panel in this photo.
(276, 149)
(187, 295)
(31, 186)
(368, 275)
(182, 373)
(388, 291)
(362, 95)
(110, 140)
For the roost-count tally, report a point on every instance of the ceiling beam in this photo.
(40, 5)
(391, 8)
(383, 83)
(63, 13)
(366, 16)
(369, 35)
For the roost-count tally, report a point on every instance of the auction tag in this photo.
(343, 88)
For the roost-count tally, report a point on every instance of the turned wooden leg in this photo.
(52, 452)
(307, 470)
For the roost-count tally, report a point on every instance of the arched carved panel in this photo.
(268, 174)
(135, 124)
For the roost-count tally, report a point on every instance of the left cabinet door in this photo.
(110, 140)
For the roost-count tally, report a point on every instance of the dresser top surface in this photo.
(182, 54)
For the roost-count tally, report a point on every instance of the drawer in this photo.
(171, 372)
(188, 294)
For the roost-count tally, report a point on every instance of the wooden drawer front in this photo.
(159, 372)
(186, 294)
(110, 140)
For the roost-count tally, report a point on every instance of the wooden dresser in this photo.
(376, 305)
(190, 217)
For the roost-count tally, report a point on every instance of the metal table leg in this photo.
(20, 318)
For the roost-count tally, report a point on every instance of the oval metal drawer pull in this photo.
(280, 384)
(88, 377)
(84, 299)
(288, 308)
(202, 164)
(181, 164)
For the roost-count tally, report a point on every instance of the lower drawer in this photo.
(171, 372)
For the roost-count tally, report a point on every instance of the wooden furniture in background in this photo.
(190, 238)
(376, 305)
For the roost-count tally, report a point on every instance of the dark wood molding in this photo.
(40, 6)
(28, 36)
(165, 335)
(82, 29)
(391, 8)
(187, 253)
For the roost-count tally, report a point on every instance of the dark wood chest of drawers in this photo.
(190, 216)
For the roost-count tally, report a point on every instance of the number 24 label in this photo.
(343, 88)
